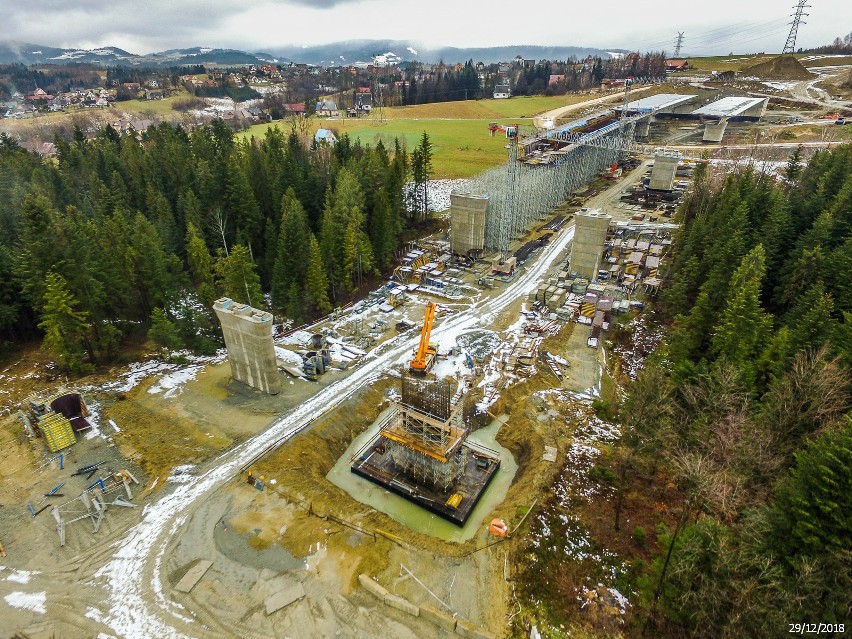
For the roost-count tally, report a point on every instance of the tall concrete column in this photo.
(589, 239)
(643, 127)
(248, 338)
(713, 131)
(664, 170)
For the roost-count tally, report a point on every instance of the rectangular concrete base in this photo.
(438, 617)
(193, 576)
(283, 598)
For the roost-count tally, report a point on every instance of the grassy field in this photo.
(462, 148)
(517, 107)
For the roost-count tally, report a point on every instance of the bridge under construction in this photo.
(543, 170)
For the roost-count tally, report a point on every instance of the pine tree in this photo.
(316, 285)
(813, 512)
(238, 276)
(198, 258)
(744, 324)
(290, 266)
(64, 326)
(164, 332)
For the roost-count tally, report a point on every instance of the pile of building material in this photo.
(56, 417)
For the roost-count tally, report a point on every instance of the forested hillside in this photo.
(746, 408)
(114, 235)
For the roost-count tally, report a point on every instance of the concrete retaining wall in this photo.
(468, 630)
(438, 617)
(399, 603)
(373, 587)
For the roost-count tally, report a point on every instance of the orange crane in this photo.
(426, 352)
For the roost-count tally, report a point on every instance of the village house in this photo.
(325, 136)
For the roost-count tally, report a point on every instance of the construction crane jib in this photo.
(426, 352)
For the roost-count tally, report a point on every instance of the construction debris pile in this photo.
(57, 418)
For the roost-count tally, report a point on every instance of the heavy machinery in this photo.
(426, 352)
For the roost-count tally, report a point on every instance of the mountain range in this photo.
(338, 53)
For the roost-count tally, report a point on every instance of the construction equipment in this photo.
(511, 130)
(426, 352)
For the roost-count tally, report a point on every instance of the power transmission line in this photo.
(678, 44)
(790, 46)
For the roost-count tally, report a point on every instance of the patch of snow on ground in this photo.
(34, 601)
(781, 86)
(291, 358)
(172, 382)
(181, 474)
(298, 338)
(21, 576)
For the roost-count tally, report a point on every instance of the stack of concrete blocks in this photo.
(248, 338)
(664, 170)
(589, 240)
(468, 214)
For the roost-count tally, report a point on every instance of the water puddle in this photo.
(413, 516)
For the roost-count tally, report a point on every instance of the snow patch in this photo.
(34, 601)
(21, 576)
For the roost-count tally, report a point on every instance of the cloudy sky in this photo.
(143, 26)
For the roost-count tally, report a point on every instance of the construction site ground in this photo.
(177, 422)
(301, 528)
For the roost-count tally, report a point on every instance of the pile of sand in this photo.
(783, 67)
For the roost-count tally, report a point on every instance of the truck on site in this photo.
(424, 359)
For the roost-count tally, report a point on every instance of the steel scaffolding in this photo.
(520, 194)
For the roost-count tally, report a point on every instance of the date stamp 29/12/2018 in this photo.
(816, 628)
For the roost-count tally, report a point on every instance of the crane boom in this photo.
(425, 353)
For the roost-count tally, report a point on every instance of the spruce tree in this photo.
(64, 326)
(238, 276)
(164, 332)
(744, 324)
(290, 265)
(316, 285)
(813, 512)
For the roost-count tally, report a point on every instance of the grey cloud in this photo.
(54, 22)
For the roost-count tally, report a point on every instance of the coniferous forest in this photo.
(746, 408)
(115, 237)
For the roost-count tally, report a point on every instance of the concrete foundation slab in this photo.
(193, 576)
(549, 454)
(284, 597)
(438, 617)
(402, 604)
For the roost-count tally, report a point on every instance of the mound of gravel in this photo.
(783, 67)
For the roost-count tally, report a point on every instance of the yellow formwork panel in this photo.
(57, 432)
